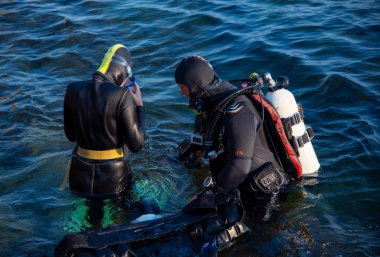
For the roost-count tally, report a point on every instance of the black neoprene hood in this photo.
(194, 72)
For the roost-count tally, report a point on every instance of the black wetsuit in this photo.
(99, 115)
(245, 143)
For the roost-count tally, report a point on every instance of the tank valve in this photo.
(282, 81)
(268, 78)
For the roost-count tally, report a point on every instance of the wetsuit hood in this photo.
(195, 72)
(116, 64)
(204, 84)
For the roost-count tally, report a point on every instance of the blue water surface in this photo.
(329, 49)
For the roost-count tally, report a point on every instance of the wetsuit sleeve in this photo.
(240, 130)
(67, 119)
(133, 125)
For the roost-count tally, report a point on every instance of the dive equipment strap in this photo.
(265, 155)
(294, 119)
(100, 154)
(298, 142)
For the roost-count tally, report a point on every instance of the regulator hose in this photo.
(221, 109)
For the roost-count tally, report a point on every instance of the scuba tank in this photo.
(291, 114)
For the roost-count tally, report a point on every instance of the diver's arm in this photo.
(132, 120)
(240, 129)
(67, 119)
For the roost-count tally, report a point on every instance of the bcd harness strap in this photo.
(298, 142)
(294, 119)
(100, 154)
(279, 137)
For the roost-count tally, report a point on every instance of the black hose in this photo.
(220, 109)
(253, 80)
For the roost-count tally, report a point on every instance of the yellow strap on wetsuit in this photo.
(100, 155)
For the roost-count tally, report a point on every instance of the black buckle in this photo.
(196, 139)
(296, 118)
(310, 132)
(294, 143)
(184, 148)
(302, 140)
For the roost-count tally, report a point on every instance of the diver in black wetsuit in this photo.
(104, 116)
(241, 149)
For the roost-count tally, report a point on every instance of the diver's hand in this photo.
(136, 95)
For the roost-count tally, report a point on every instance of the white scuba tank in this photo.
(286, 106)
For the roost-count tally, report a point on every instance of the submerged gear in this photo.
(101, 117)
(195, 228)
(291, 115)
(227, 204)
(117, 64)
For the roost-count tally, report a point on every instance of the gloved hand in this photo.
(206, 200)
(231, 211)
(226, 207)
(136, 95)
(212, 196)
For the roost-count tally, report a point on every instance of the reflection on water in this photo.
(82, 216)
(77, 217)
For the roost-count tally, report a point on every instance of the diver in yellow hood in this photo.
(104, 116)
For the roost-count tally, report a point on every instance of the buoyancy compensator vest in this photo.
(288, 143)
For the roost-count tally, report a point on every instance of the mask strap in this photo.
(120, 60)
(215, 82)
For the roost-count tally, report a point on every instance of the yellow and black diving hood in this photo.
(116, 64)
